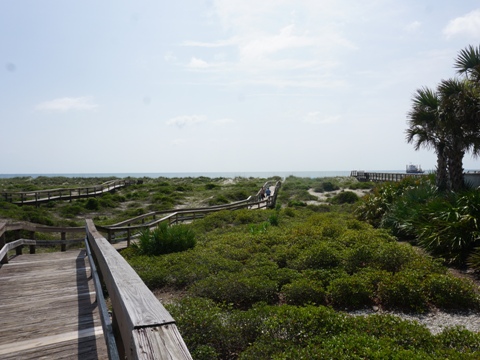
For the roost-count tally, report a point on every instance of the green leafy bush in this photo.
(460, 340)
(92, 204)
(70, 211)
(320, 255)
(404, 291)
(204, 328)
(165, 239)
(240, 290)
(345, 197)
(304, 291)
(448, 292)
(351, 292)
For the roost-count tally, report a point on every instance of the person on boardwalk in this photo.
(262, 193)
(267, 192)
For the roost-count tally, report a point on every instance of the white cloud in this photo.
(196, 63)
(468, 25)
(413, 26)
(186, 120)
(279, 43)
(315, 117)
(68, 104)
(262, 46)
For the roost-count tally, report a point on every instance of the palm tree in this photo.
(458, 115)
(448, 119)
(425, 130)
(468, 63)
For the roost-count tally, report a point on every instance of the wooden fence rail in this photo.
(147, 330)
(141, 328)
(40, 196)
(126, 229)
(375, 176)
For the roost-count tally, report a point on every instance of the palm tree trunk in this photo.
(455, 169)
(442, 174)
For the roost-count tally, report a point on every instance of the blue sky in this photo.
(206, 86)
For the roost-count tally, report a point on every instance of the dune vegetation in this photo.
(320, 276)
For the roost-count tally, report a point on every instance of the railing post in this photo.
(2, 244)
(63, 246)
(128, 236)
(18, 250)
(32, 249)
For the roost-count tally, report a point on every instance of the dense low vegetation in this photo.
(287, 283)
(445, 224)
(278, 284)
(149, 194)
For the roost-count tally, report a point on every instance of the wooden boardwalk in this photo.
(48, 308)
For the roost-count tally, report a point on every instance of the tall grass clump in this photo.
(165, 239)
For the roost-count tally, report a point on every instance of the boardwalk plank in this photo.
(48, 308)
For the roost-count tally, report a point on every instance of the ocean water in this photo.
(245, 174)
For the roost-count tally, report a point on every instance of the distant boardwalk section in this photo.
(42, 196)
(361, 175)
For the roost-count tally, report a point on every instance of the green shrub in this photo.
(449, 292)
(404, 291)
(205, 328)
(289, 212)
(403, 333)
(71, 211)
(393, 256)
(211, 186)
(351, 346)
(345, 197)
(92, 204)
(244, 216)
(165, 239)
(351, 292)
(240, 290)
(296, 203)
(273, 219)
(304, 291)
(237, 195)
(459, 339)
(451, 228)
(218, 200)
(36, 215)
(329, 186)
(321, 255)
(359, 257)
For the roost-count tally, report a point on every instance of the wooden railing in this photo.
(18, 246)
(374, 176)
(141, 328)
(39, 196)
(146, 328)
(127, 229)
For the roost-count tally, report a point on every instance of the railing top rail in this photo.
(135, 307)
(179, 211)
(42, 191)
(41, 228)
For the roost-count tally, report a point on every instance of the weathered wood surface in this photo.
(48, 309)
(147, 329)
